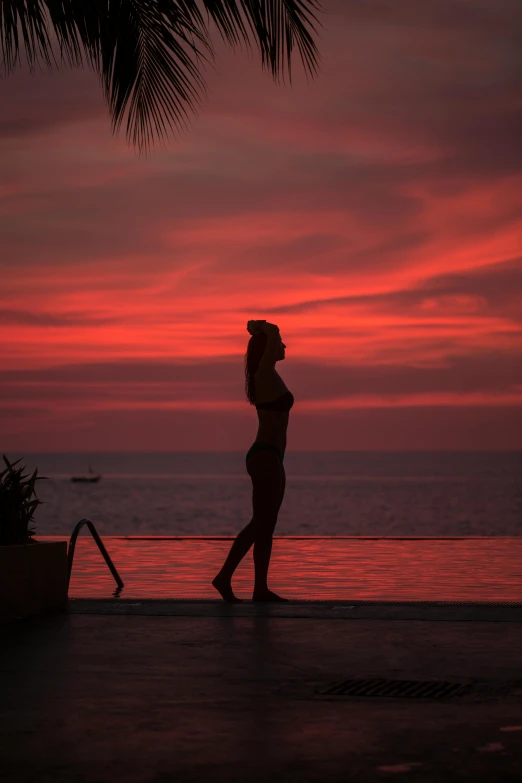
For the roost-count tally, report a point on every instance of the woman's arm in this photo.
(273, 342)
(253, 327)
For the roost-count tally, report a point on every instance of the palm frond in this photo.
(276, 26)
(30, 15)
(149, 54)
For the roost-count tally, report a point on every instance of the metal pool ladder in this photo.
(101, 547)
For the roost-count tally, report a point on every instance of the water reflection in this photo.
(315, 568)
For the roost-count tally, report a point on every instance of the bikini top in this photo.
(282, 403)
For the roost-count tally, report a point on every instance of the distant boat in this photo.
(92, 478)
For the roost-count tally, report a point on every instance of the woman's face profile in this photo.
(281, 354)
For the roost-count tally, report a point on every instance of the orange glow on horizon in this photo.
(373, 214)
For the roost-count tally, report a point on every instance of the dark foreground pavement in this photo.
(161, 691)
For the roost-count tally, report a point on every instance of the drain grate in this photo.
(399, 689)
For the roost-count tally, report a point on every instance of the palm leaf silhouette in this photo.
(149, 54)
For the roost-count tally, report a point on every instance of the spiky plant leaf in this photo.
(16, 506)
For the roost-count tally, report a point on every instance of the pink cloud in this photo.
(373, 213)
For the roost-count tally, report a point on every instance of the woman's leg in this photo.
(283, 487)
(266, 532)
(267, 496)
(238, 550)
(265, 481)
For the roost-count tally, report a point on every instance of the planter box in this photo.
(33, 579)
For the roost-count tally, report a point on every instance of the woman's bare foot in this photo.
(266, 595)
(224, 587)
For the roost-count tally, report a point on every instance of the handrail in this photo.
(72, 543)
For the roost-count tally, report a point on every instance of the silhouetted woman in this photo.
(264, 460)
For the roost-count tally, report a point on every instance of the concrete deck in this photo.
(159, 691)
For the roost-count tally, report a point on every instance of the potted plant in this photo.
(33, 574)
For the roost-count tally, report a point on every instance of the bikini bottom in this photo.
(258, 446)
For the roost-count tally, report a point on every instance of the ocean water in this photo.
(327, 493)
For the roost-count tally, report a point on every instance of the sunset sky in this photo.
(373, 213)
